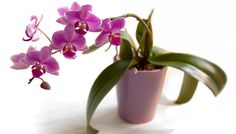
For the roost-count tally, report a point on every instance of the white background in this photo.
(206, 28)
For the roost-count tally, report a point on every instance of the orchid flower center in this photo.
(115, 39)
(81, 27)
(38, 70)
(69, 51)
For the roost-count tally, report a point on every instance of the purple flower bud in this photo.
(45, 85)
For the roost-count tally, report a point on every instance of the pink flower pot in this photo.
(138, 95)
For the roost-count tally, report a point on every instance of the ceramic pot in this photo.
(138, 95)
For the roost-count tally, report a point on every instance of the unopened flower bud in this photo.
(45, 85)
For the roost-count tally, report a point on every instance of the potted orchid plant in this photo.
(138, 70)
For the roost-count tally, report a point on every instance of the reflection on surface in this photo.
(57, 118)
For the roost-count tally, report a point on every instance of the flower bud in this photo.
(45, 85)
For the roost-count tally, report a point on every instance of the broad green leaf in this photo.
(91, 130)
(125, 50)
(158, 51)
(144, 38)
(126, 36)
(91, 49)
(188, 89)
(201, 69)
(127, 46)
(102, 85)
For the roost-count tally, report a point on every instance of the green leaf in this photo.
(127, 46)
(158, 51)
(126, 36)
(91, 49)
(102, 85)
(144, 38)
(188, 89)
(201, 69)
(125, 50)
(91, 130)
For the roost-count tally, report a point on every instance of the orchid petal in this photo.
(106, 25)
(34, 20)
(23, 60)
(16, 58)
(31, 49)
(32, 57)
(94, 23)
(18, 61)
(86, 8)
(72, 15)
(75, 6)
(36, 37)
(51, 66)
(79, 43)
(45, 53)
(69, 32)
(102, 38)
(58, 40)
(117, 24)
(26, 38)
(52, 47)
(116, 39)
(19, 66)
(62, 20)
(62, 10)
(30, 30)
(84, 12)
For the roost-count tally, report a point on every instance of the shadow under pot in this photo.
(138, 95)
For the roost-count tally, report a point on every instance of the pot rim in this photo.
(149, 71)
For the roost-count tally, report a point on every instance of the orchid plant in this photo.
(78, 21)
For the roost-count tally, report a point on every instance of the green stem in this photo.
(30, 80)
(55, 52)
(41, 79)
(45, 35)
(134, 16)
(108, 48)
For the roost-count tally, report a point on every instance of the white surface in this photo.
(206, 28)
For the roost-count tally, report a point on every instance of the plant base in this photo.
(138, 95)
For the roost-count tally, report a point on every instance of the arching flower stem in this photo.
(137, 17)
(45, 35)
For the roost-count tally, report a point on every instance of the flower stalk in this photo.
(45, 35)
(136, 17)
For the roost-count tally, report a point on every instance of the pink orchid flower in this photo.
(111, 32)
(40, 61)
(81, 17)
(68, 42)
(31, 29)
